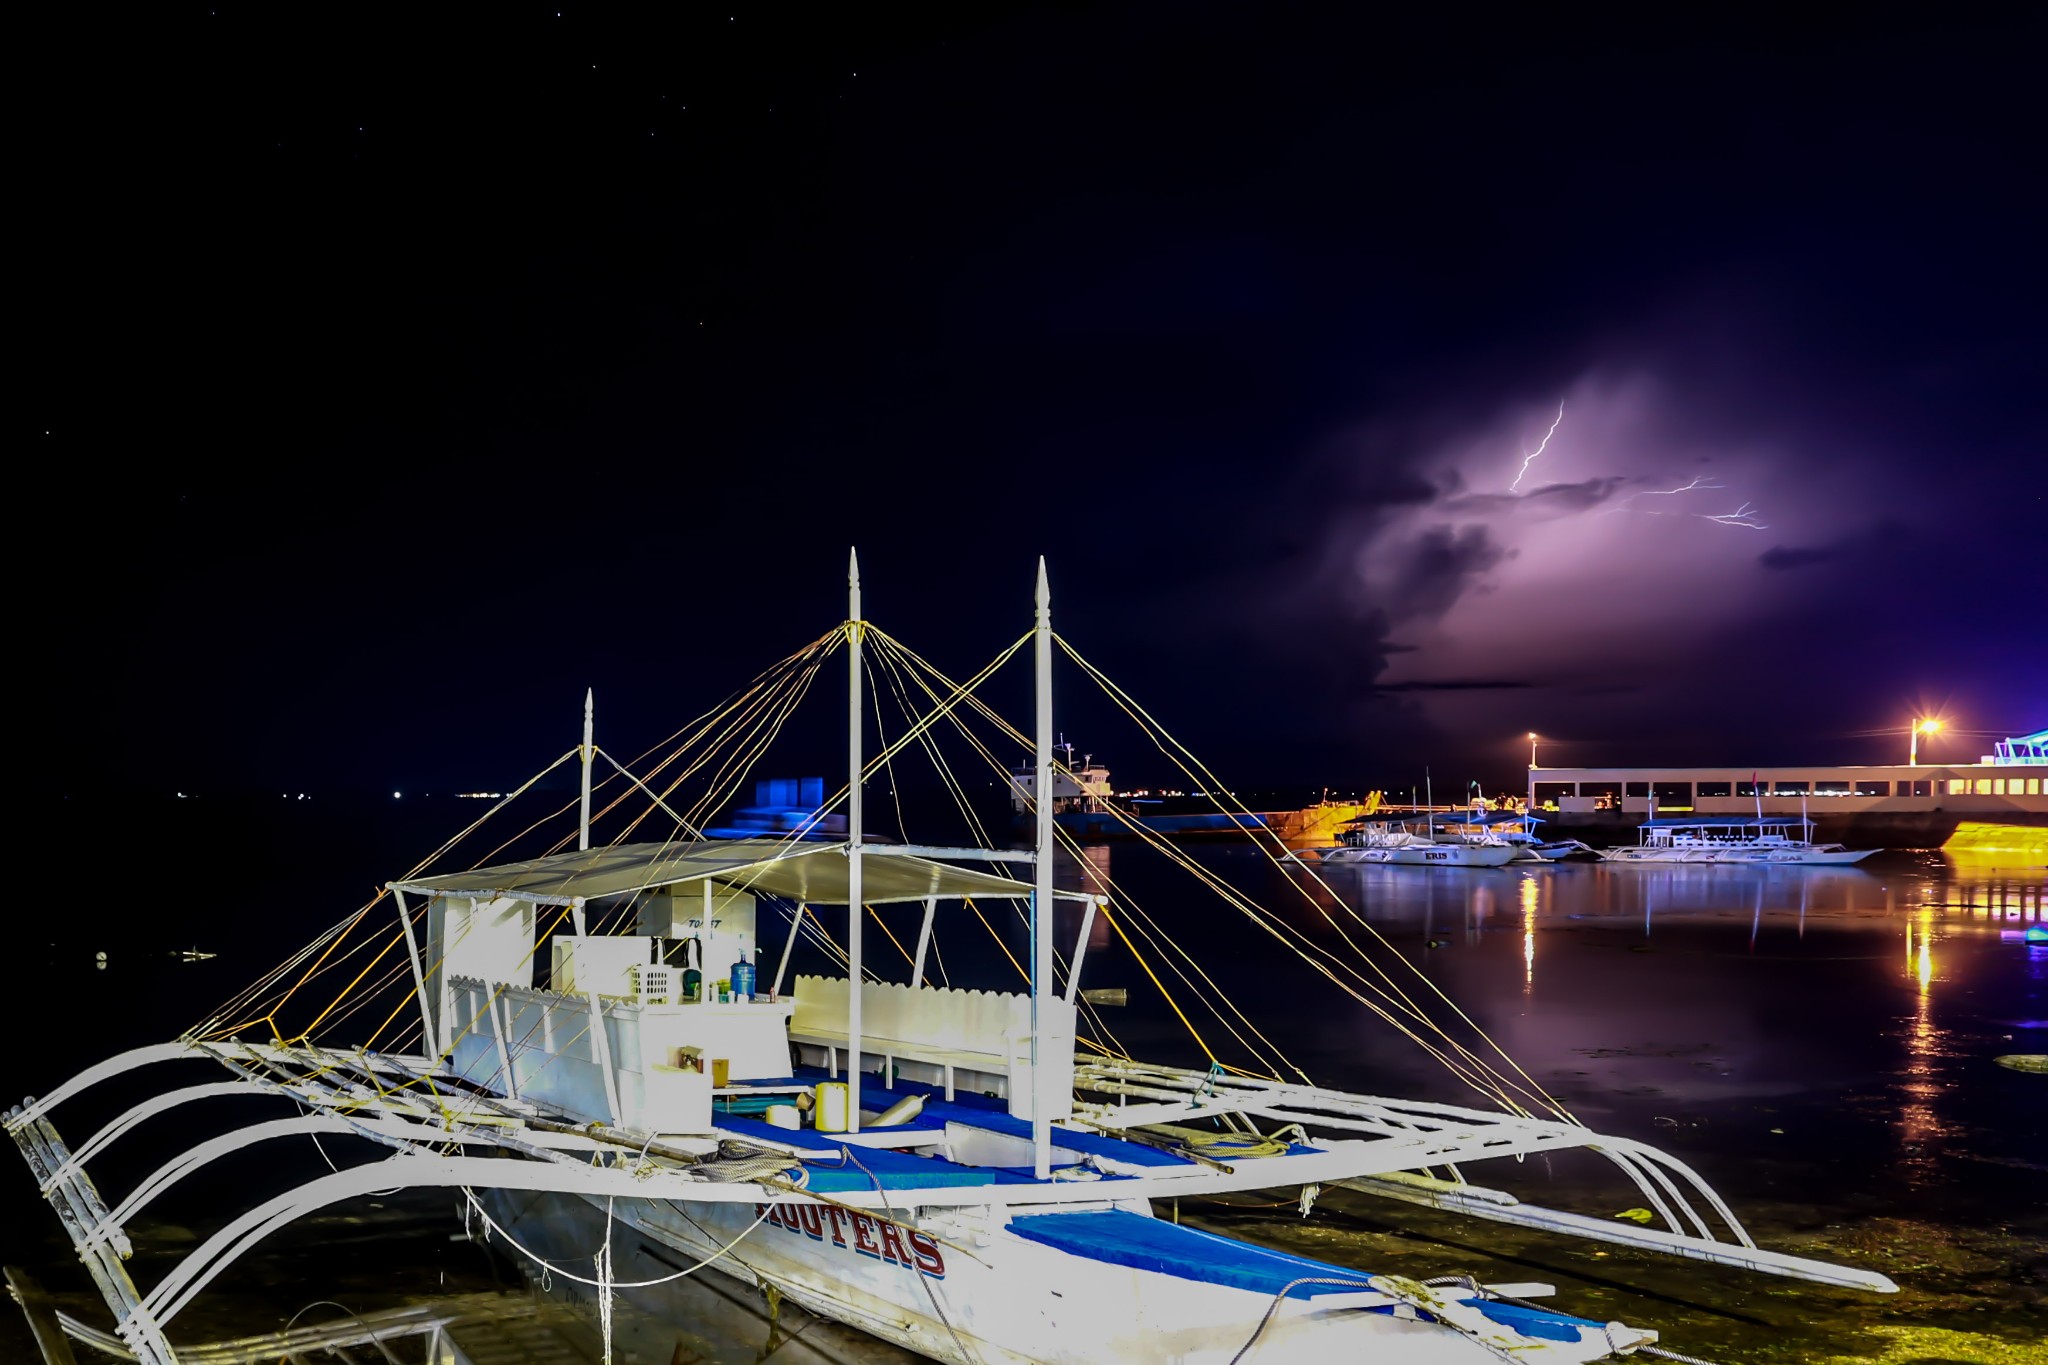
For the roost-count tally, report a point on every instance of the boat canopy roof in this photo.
(1722, 821)
(812, 873)
(1482, 817)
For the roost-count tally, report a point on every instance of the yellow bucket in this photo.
(831, 1109)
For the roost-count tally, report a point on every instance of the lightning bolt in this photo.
(1699, 482)
(1744, 515)
(1528, 460)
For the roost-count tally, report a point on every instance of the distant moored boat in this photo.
(1768, 840)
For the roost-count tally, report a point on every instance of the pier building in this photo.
(2008, 785)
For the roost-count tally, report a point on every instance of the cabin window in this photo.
(2033, 786)
(1791, 788)
(1958, 786)
(1831, 786)
(1638, 789)
(1921, 787)
(1713, 788)
(1673, 795)
(1548, 794)
(1875, 788)
(1606, 795)
(1751, 788)
(1998, 786)
(1983, 786)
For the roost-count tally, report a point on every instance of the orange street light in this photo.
(1925, 726)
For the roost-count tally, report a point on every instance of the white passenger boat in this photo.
(1418, 842)
(966, 1186)
(1511, 828)
(1767, 840)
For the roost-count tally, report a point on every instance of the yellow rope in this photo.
(1186, 1023)
(1199, 775)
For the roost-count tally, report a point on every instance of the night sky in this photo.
(389, 379)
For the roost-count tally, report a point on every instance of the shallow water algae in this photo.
(1912, 1345)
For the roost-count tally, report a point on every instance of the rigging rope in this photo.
(554, 1269)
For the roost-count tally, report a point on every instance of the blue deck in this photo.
(830, 1171)
(1115, 1237)
(1119, 1238)
(990, 1115)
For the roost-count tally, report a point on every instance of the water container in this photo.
(903, 1111)
(693, 979)
(832, 1107)
(743, 978)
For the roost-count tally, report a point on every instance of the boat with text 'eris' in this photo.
(1416, 841)
(975, 1174)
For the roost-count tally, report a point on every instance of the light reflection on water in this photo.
(1829, 1025)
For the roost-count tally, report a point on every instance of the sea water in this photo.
(1819, 1044)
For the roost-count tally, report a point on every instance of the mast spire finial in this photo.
(589, 751)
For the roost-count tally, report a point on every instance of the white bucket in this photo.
(832, 1107)
(785, 1116)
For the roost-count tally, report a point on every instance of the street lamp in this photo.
(1920, 727)
(1529, 803)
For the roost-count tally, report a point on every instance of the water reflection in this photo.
(1734, 1005)
(1920, 1086)
(1531, 898)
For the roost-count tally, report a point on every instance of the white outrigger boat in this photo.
(1416, 842)
(1762, 840)
(1003, 1206)
(1511, 828)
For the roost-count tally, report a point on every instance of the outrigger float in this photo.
(967, 1185)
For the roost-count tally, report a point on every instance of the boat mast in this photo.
(589, 752)
(1041, 892)
(854, 912)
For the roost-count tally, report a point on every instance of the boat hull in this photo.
(1740, 857)
(976, 1290)
(1425, 855)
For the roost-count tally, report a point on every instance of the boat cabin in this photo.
(659, 941)
(1726, 831)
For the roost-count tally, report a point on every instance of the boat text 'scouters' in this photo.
(935, 1165)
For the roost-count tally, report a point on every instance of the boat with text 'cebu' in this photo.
(973, 1173)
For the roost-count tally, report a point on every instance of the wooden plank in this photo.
(42, 1317)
